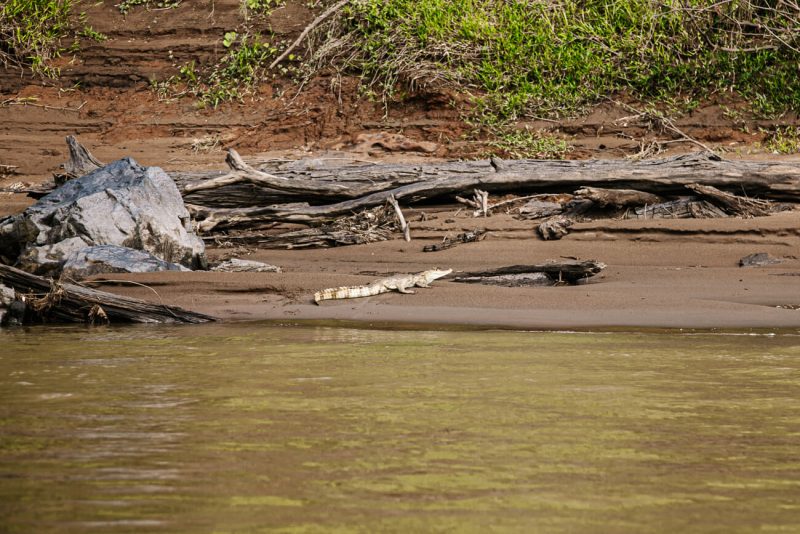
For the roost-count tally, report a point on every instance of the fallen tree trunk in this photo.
(568, 271)
(53, 301)
(661, 177)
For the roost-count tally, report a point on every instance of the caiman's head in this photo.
(436, 273)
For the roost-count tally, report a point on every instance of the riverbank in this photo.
(660, 274)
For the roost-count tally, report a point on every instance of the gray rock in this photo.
(759, 259)
(6, 299)
(48, 259)
(102, 259)
(235, 265)
(121, 204)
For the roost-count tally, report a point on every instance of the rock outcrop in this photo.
(103, 259)
(122, 204)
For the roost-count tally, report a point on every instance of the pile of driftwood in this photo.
(42, 300)
(358, 202)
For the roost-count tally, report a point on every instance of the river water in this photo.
(266, 428)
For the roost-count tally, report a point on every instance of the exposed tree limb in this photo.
(400, 218)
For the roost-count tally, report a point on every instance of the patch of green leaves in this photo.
(525, 143)
(235, 74)
(260, 7)
(31, 33)
(783, 140)
(126, 5)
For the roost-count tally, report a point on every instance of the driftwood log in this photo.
(617, 198)
(559, 272)
(682, 208)
(738, 205)
(52, 301)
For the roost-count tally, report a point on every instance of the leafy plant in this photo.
(525, 143)
(31, 33)
(783, 140)
(91, 33)
(262, 7)
(235, 74)
(126, 5)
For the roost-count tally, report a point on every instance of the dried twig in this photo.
(316, 22)
(663, 121)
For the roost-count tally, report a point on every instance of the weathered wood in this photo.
(511, 280)
(368, 226)
(661, 176)
(81, 162)
(540, 209)
(567, 271)
(682, 208)
(617, 198)
(555, 227)
(53, 301)
(447, 242)
(401, 220)
(248, 195)
(734, 204)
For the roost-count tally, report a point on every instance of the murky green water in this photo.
(250, 428)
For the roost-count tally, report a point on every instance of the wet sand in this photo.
(660, 274)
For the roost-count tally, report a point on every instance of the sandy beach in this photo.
(660, 274)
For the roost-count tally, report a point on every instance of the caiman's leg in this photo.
(422, 284)
(404, 290)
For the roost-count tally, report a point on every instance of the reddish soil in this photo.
(667, 274)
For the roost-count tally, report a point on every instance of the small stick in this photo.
(400, 218)
(482, 199)
(471, 203)
(316, 22)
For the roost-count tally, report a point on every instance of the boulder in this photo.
(121, 204)
(102, 259)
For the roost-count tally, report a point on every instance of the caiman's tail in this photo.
(346, 292)
(331, 293)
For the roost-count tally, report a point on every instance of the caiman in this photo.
(384, 285)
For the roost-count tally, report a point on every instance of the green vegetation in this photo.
(261, 7)
(783, 140)
(126, 5)
(31, 32)
(525, 143)
(235, 74)
(522, 57)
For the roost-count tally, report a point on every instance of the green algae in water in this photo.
(251, 427)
